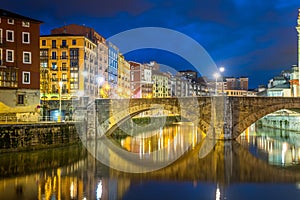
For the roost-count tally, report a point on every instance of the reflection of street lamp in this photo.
(60, 88)
(216, 75)
(222, 69)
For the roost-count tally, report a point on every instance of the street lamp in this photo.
(216, 75)
(222, 69)
(60, 88)
(100, 81)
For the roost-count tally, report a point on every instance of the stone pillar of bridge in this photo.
(221, 123)
(103, 111)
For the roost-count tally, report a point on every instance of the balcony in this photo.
(64, 46)
(63, 57)
(74, 57)
(53, 57)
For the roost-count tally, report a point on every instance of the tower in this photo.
(298, 30)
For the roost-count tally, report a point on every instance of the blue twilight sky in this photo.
(251, 38)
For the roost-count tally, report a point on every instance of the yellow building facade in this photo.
(67, 65)
(123, 89)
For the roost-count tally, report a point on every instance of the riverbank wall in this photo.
(289, 123)
(24, 137)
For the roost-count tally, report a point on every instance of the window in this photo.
(53, 43)
(1, 36)
(1, 61)
(9, 55)
(64, 66)
(25, 24)
(54, 66)
(43, 42)
(9, 35)
(63, 43)
(53, 55)
(26, 37)
(26, 78)
(64, 76)
(73, 42)
(63, 55)
(10, 21)
(26, 57)
(21, 99)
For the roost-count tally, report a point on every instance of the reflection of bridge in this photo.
(222, 117)
(227, 163)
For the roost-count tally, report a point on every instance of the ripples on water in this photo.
(263, 164)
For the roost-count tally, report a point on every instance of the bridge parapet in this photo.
(220, 117)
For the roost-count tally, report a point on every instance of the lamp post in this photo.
(216, 75)
(60, 88)
(222, 69)
(100, 81)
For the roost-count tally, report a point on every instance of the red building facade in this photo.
(20, 62)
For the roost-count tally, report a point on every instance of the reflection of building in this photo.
(141, 80)
(19, 63)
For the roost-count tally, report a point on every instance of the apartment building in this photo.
(19, 64)
(141, 80)
(68, 63)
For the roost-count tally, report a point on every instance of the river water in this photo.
(262, 163)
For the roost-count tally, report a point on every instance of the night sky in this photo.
(251, 38)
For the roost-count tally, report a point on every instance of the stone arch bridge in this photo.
(222, 117)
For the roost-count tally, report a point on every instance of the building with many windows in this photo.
(101, 68)
(113, 54)
(68, 63)
(160, 84)
(123, 90)
(19, 63)
(141, 80)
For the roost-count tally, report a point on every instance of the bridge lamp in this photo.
(216, 75)
(222, 69)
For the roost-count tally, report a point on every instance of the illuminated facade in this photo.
(68, 59)
(101, 69)
(141, 80)
(19, 63)
(160, 84)
(123, 90)
(296, 79)
(113, 54)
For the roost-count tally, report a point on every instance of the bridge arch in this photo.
(260, 111)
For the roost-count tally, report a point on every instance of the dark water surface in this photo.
(261, 164)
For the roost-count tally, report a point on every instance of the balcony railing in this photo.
(53, 57)
(63, 57)
(64, 46)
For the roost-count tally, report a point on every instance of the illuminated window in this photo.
(26, 78)
(25, 24)
(9, 55)
(26, 57)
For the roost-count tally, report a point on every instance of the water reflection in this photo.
(228, 171)
(275, 146)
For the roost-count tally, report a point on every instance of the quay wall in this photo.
(22, 137)
(289, 123)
